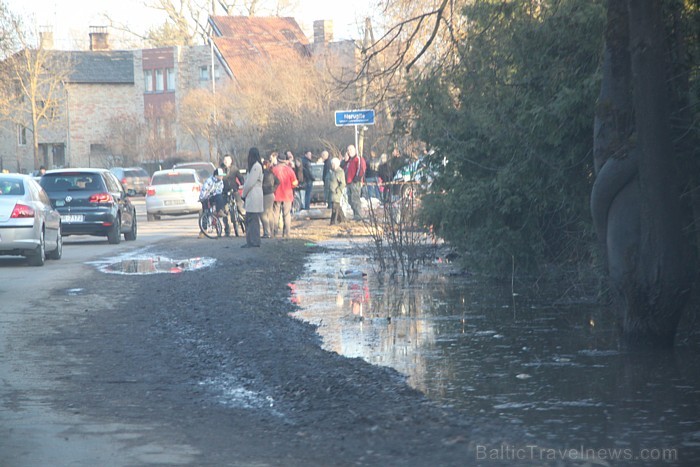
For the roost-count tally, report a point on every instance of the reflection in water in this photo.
(555, 370)
(155, 265)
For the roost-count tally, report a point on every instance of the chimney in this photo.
(46, 37)
(99, 38)
(323, 31)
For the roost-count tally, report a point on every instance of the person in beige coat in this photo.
(254, 201)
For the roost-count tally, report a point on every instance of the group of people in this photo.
(226, 182)
(267, 193)
(356, 177)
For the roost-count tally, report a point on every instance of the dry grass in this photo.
(319, 229)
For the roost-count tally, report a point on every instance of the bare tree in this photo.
(33, 84)
(187, 20)
(127, 138)
(198, 118)
(287, 104)
(414, 32)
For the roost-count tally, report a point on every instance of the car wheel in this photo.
(58, 252)
(131, 234)
(150, 217)
(114, 235)
(38, 257)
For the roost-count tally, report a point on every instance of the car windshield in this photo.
(11, 187)
(72, 182)
(204, 169)
(135, 173)
(173, 178)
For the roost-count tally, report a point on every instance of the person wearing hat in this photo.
(213, 189)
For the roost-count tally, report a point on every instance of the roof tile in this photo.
(249, 43)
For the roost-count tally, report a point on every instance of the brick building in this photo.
(168, 74)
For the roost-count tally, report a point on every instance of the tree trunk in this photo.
(635, 200)
(35, 144)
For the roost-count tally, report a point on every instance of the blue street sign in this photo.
(354, 117)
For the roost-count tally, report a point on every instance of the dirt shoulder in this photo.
(213, 360)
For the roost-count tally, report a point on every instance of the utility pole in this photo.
(215, 111)
(364, 82)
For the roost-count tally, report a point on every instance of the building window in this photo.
(21, 135)
(159, 81)
(204, 73)
(170, 74)
(46, 110)
(217, 72)
(148, 80)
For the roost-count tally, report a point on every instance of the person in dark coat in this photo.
(326, 182)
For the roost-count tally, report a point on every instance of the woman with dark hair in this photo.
(253, 196)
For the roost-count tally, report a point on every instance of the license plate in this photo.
(170, 202)
(72, 218)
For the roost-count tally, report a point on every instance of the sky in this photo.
(70, 19)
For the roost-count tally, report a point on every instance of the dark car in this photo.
(134, 179)
(317, 194)
(91, 202)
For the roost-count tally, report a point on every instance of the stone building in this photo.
(99, 88)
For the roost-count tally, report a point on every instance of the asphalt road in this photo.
(17, 279)
(201, 368)
(31, 432)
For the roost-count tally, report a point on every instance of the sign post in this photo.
(354, 118)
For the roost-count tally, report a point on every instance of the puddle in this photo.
(518, 356)
(141, 264)
(157, 265)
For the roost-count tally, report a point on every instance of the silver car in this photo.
(204, 169)
(29, 226)
(173, 192)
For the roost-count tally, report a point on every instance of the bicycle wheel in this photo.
(234, 220)
(296, 203)
(241, 222)
(209, 224)
(237, 221)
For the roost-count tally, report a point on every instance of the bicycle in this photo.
(297, 203)
(209, 223)
(235, 216)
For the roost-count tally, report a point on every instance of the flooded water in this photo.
(140, 263)
(552, 367)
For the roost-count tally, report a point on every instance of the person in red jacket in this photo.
(284, 195)
(354, 176)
